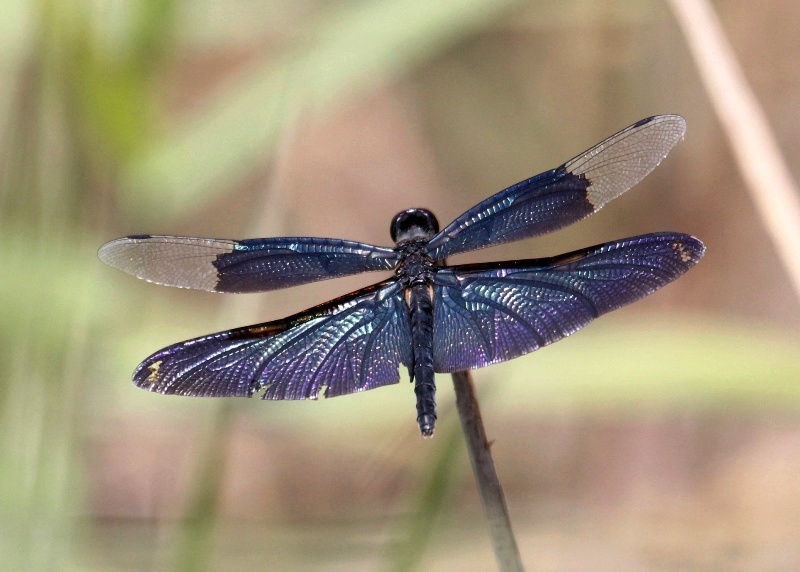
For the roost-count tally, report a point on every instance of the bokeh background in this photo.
(665, 436)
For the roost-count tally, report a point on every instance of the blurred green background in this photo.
(665, 436)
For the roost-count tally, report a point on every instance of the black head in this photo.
(414, 223)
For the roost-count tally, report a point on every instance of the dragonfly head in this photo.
(414, 223)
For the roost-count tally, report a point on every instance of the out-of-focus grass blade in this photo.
(441, 481)
(354, 47)
(46, 300)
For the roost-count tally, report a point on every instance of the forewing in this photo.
(351, 344)
(254, 265)
(559, 197)
(488, 313)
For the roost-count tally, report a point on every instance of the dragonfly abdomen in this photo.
(421, 313)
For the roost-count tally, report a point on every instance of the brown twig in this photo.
(757, 153)
(494, 503)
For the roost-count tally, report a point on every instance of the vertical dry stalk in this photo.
(494, 503)
(757, 153)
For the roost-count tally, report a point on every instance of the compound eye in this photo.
(414, 223)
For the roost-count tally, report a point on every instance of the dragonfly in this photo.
(429, 317)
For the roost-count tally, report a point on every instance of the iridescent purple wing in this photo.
(489, 313)
(354, 343)
(559, 197)
(253, 265)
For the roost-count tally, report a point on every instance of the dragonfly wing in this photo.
(254, 265)
(354, 343)
(559, 197)
(488, 313)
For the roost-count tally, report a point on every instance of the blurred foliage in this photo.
(352, 47)
(154, 113)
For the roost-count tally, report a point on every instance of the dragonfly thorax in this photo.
(413, 223)
(415, 266)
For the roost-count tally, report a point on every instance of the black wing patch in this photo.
(557, 198)
(254, 265)
(354, 343)
(489, 313)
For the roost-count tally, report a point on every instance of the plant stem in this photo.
(753, 142)
(494, 503)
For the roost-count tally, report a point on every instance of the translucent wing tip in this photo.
(183, 262)
(621, 161)
(121, 253)
(676, 121)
